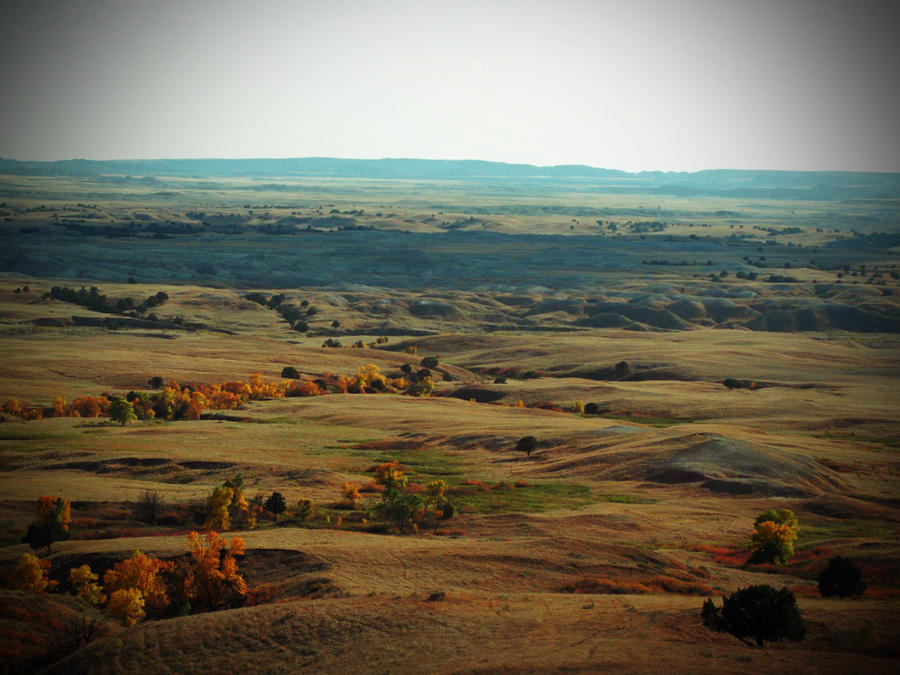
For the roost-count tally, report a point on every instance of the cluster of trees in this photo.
(95, 300)
(763, 613)
(367, 380)
(405, 510)
(295, 315)
(227, 506)
(188, 401)
(206, 579)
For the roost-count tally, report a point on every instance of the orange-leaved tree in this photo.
(350, 492)
(212, 580)
(144, 573)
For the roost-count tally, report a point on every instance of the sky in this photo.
(673, 85)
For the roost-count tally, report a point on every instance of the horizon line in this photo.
(439, 160)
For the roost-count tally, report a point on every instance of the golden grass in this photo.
(501, 572)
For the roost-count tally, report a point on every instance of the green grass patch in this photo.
(628, 499)
(533, 498)
(890, 442)
(814, 532)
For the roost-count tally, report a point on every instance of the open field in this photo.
(532, 303)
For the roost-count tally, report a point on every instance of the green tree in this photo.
(841, 578)
(122, 411)
(276, 505)
(398, 507)
(52, 524)
(526, 444)
(290, 372)
(759, 612)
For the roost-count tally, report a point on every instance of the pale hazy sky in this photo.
(633, 84)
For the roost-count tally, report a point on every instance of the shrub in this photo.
(841, 578)
(149, 507)
(757, 612)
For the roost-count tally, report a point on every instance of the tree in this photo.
(217, 504)
(156, 382)
(227, 506)
(526, 444)
(429, 362)
(276, 505)
(84, 583)
(290, 372)
(30, 574)
(304, 510)
(145, 574)
(350, 492)
(623, 369)
(772, 543)
(52, 524)
(773, 537)
(397, 506)
(213, 579)
(841, 578)
(592, 409)
(122, 411)
(126, 605)
(757, 612)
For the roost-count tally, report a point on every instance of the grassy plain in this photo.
(523, 298)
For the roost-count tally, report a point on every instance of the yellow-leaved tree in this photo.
(773, 537)
(84, 583)
(126, 605)
(30, 574)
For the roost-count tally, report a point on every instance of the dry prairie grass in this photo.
(832, 444)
